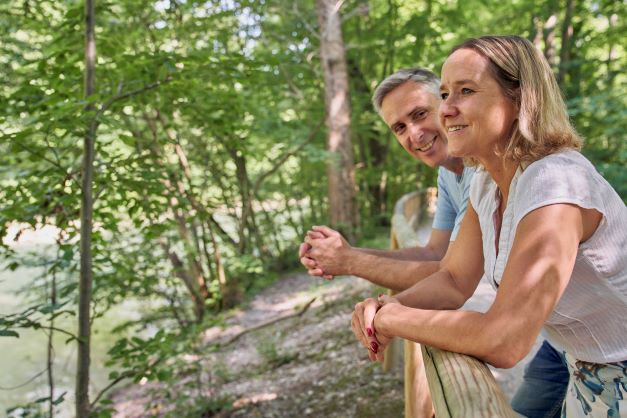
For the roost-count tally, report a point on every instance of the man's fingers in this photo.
(308, 262)
(315, 272)
(302, 250)
(324, 230)
(315, 235)
(311, 241)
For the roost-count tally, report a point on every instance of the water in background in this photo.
(23, 360)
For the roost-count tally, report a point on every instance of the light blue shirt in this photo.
(452, 199)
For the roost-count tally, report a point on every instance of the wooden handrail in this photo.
(460, 385)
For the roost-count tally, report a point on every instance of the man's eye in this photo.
(419, 115)
(443, 96)
(399, 130)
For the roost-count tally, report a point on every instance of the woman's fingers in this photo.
(370, 310)
(357, 330)
(386, 299)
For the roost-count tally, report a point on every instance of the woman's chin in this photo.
(457, 152)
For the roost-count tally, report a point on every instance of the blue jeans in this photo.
(544, 385)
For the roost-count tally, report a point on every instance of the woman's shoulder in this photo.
(562, 170)
(559, 162)
(563, 177)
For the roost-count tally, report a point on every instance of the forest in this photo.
(175, 152)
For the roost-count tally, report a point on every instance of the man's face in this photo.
(411, 112)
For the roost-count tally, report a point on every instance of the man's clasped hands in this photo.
(325, 253)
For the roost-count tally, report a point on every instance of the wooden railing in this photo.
(460, 385)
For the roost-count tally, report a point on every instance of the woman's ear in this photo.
(517, 98)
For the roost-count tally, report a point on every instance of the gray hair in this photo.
(417, 75)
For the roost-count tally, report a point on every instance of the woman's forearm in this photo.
(466, 332)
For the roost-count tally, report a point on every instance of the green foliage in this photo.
(210, 152)
(35, 409)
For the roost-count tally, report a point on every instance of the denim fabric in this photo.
(544, 385)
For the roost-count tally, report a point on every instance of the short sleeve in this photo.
(566, 177)
(445, 214)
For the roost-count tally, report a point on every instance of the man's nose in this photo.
(415, 133)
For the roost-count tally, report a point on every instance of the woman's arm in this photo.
(459, 274)
(537, 272)
(446, 289)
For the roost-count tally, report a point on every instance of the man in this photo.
(408, 102)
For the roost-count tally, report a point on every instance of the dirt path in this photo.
(304, 366)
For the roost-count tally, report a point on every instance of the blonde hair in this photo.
(525, 76)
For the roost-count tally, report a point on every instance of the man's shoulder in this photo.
(448, 179)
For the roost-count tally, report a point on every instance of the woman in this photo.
(546, 229)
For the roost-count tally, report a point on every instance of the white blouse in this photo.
(590, 320)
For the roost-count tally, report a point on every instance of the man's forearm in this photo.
(407, 254)
(395, 274)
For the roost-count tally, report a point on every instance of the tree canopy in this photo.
(210, 152)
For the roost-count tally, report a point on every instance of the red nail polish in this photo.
(375, 346)
(369, 331)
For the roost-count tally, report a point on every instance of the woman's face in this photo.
(477, 117)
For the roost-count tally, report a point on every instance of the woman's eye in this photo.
(443, 96)
(466, 90)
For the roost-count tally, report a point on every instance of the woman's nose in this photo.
(447, 109)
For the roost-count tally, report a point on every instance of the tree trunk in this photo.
(567, 34)
(611, 75)
(86, 277)
(341, 180)
(50, 351)
(549, 39)
(374, 152)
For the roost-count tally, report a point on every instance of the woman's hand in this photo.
(364, 329)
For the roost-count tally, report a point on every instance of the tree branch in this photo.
(281, 160)
(106, 105)
(270, 322)
(121, 377)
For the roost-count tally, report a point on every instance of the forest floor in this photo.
(306, 365)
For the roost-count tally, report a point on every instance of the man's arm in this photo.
(332, 255)
(434, 250)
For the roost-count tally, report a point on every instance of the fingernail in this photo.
(375, 346)
(369, 331)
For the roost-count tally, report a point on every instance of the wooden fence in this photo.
(460, 385)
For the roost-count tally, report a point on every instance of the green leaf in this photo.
(9, 333)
